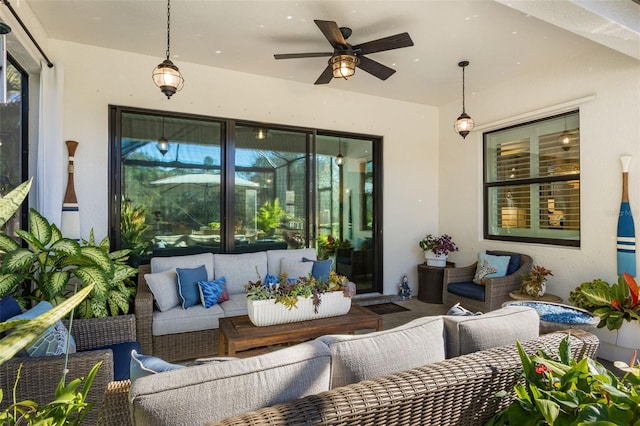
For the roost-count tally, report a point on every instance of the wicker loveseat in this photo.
(41, 375)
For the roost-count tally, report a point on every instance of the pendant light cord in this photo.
(463, 111)
(26, 30)
(168, 27)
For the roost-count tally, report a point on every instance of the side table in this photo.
(430, 282)
(547, 297)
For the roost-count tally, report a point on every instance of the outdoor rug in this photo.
(386, 308)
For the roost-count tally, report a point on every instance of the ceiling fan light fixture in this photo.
(464, 124)
(166, 75)
(344, 66)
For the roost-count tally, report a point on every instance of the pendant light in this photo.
(166, 75)
(261, 133)
(565, 137)
(464, 123)
(339, 158)
(163, 143)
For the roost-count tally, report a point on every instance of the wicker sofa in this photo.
(187, 339)
(41, 375)
(432, 370)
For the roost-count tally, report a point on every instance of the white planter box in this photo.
(618, 345)
(268, 312)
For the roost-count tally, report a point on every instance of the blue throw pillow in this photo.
(146, 365)
(188, 284)
(321, 268)
(9, 308)
(121, 358)
(53, 341)
(213, 292)
(514, 261)
(490, 267)
(270, 280)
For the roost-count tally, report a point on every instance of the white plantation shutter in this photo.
(532, 181)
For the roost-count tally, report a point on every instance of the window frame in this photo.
(488, 215)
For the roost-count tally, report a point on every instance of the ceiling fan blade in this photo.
(332, 33)
(375, 68)
(301, 55)
(387, 43)
(326, 76)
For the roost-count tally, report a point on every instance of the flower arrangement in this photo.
(564, 391)
(442, 245)
(613, 303)
(287, 290)
(534, 283)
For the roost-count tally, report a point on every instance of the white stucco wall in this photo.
(610, 127)
(96, 78)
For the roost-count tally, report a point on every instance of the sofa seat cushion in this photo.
(236, 305)
(467, 289)
(159, 264)
(211, 392)
(239, 269)
(274, 258)
(367, 356)
(467, 334)
(178, 320)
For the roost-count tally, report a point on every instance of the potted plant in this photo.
(534, 283)
(437, 249)
(563, 391)
(618, 306)
(269, 217)
(286, 300)
(69, 405)
(328, 245)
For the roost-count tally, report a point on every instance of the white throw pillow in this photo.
(295, 268)
(164, 286)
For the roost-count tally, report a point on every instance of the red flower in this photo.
(541, 369)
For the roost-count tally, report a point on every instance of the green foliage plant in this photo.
(287, 291)
(613, 303)
(565, 392)
(269, 216)
(132, 228)
(327, 245)
(69, 406)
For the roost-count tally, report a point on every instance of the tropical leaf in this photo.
(633, 288)
(8, 282)
(27, 333)
(39, 227)
(56, 234)
(597, 296)
(31, 240)
(99, 258)
(10, 203)
(89, 275)
(18, 260)
(57, 281)
(66, 246)
(7, 243)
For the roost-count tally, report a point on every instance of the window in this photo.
(532, 182)
(13, 139)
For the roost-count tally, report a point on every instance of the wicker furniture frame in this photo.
(457, 391)
(169, 347)
(496, 289)
(40, 376)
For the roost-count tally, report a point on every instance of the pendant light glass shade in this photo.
(339, 158)
(163, 145)
(166, 75)
(344, 66)
(261, 133)
(464, 124)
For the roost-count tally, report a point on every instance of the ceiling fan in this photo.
(345, 57)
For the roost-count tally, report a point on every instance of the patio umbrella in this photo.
(205, 180)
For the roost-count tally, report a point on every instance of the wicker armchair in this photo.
(496, 290)
(40, 376)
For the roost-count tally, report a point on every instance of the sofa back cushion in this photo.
(211, 392)
(274, 257)
(159, 264)
(367, 356)
(467, 334)
(239, 269)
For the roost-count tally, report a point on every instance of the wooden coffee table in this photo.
(239, 334)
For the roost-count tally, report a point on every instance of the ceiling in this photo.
(501, 39)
